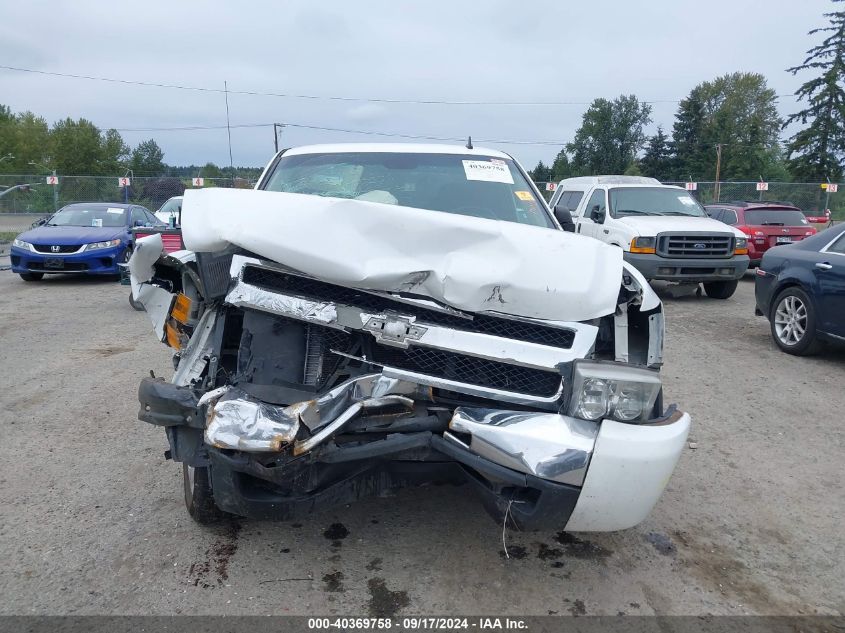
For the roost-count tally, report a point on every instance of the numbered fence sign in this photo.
(199, 182)
(551, 186)
(691, 186)
(123, 182)
(762, 186)
(831, 187)
(52, 180)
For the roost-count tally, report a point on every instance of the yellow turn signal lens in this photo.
(174, 337)
(181, 309)
(643, 245)
(741, 251)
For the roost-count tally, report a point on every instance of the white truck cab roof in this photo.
(611, 180)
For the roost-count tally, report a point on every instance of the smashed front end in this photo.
(297, 394)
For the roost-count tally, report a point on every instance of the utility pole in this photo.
(277, 130)
(716, 188)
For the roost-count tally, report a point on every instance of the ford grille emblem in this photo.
(699, 245)
(55, 249)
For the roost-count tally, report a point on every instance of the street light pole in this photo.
(716, 188)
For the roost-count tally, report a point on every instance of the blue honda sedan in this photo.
(86, 237)
(801, 290)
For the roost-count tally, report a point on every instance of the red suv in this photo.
(766, 224)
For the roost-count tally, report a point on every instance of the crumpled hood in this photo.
(70, 235)
(651, 225)
(468, 263)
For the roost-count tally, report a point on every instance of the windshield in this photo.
(174, 205)
(775, 217)
(464, 184)
(653, 201)
(89, 215)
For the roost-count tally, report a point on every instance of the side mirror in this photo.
(39, 222)
(564, 217)
(597, 215)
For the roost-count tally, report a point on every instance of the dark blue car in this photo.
(86, 237)
(800, 289)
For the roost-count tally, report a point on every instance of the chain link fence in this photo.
(26, 198)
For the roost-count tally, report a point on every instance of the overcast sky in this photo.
(496, 50)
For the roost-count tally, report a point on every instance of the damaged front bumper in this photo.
(375, 433)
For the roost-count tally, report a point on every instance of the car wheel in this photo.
(793, 322)
(31, 276)
(199, 499)
(127, 254)
(720, 289)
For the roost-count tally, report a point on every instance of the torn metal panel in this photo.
(244, 295)
(648, 298)
(620, 328)
(196, 354)
(655, 339)
(469, 263)
(547, 445)
(239, 422)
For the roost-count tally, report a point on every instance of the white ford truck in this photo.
(378, 316)
(663, 231)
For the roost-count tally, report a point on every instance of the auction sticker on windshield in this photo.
(487, 171)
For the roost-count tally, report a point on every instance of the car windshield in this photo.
(468, 184)
(89, 215)
(174, 205)
(775, 217)
(653, 201)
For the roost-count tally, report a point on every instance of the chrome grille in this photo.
(692, 245)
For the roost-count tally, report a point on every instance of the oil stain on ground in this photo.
(578, 608)
(578, 548)
(514, 551)
(383, 602)
(336, 532)
(661, 543)
(333, 582)
(214, 570)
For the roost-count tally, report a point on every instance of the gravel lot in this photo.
(93, 520)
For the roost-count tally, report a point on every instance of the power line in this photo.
(256, 93)
(419, 137)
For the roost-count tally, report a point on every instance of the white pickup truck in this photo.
(663, 231)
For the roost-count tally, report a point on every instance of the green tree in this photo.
(26, 138)
(737, 111)
(657, 159)
(817, 151)
(76, 147)
(114, 155)
(147, 159)
(610, 136)
(561, 167)
(541, 173)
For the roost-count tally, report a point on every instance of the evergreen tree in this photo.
(541, 173)
(817, 151)
(657, 160)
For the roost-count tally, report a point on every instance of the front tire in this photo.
(720, 289)
(793, 322)
(199, 498)
(31, 276)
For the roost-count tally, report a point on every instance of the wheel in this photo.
(135, 305)
(199, 499)
(720, 289)
(31, 276)
(127, 254)
(793, 322)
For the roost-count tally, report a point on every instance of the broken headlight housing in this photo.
(613, 390)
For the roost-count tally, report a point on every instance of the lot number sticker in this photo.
(487, 171)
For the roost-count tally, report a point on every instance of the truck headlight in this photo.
(614, 390)
(741, 247)
(22, 244)
(643, 245)
(96, 245)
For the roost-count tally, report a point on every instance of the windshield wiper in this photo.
(637, 211)
(681, 213)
